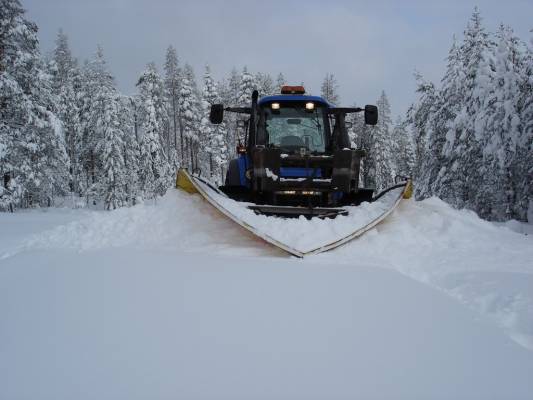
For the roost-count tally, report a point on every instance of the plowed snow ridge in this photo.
(487, 267)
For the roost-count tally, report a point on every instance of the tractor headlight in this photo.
(310, 106)
(275, 106)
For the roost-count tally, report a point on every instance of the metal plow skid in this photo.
(300, 236)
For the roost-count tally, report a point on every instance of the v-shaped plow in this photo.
(300, 236)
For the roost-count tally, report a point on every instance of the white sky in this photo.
(369, 46)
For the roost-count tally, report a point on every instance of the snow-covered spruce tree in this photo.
(265, 84)
(113, 176)
(378, 170)
(382, 148)
(65, 84)
(97, 91)
(33, 161)
(229, 92)
(280, 81)
(247, 86)
(441, 161)
(128, 122)
(476, 51)
(473, 146)
(172, 88)
(525, 150)
(500, 116)
(234, 84)
(329, 89)
(63, 62)
(527, 89)
(420, 117)
(189, 108)
(404, 155)
(523, 164)
(154, 170)
(206, 130)
(212, 137)
(103, 136)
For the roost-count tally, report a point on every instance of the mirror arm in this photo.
(345, 110)
(239, 110)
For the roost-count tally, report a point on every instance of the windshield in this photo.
(292, 127)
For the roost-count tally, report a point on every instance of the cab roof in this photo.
(293, 97)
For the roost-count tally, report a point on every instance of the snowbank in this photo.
(178, 222)
(173, 300)
(485, 266)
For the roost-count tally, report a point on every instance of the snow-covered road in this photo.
(173, 301)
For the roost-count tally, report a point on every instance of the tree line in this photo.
(474, 132)
(66, 130)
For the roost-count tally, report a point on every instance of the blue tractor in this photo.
(297, 157)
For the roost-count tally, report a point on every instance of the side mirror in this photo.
(217, 113)
(371, 115)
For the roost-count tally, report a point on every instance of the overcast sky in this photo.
(369, 46)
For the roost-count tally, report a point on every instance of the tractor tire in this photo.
(233, 176)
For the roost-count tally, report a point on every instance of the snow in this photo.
(172, 300)
(306, 235)
(271, 174)
(487, 267)
(517, 226)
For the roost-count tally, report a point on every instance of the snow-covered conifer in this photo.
(247, 86)
(65, 83)
(525, 150)
(329, 89)
(441, 160)
(280, 81)
(382, 149)
(378, 169)
(33, 161)
(213, 137)
(172, 87)
(189, 108)
(420, 116)
(112, 179)
(404, 156)
(154, 169)
(501, 119)
(131, 151)
(98, 90)
(265, 84)
(476, 52)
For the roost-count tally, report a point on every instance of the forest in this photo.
(69, 137)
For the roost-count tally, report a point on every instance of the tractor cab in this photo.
(294, 124)
(296, 153)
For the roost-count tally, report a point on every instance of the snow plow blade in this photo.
(299, 236)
